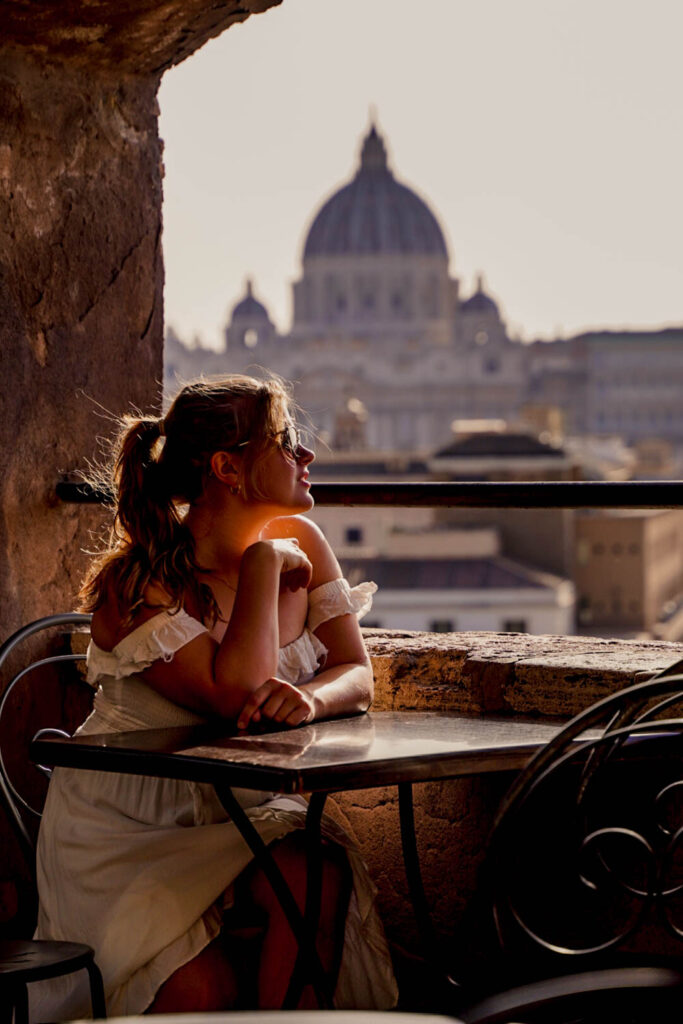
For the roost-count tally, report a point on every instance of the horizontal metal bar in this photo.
(458, 494)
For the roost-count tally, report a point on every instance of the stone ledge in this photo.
(507, 673)
(124, 36)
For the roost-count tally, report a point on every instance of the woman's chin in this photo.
(307, 502)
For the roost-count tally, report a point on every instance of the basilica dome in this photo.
(374, 214)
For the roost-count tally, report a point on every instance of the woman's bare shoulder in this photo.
(109, 622)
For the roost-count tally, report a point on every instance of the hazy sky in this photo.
(546, 135)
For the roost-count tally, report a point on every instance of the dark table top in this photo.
(375, 749)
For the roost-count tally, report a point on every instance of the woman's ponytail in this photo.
(145, 514)
(149, 539)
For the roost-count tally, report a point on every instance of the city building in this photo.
(442, 571)
(629, 573)
(378, 324)
(385, 352)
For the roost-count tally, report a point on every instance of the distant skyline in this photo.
(545, 136)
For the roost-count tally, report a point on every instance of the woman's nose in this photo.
(304, 455)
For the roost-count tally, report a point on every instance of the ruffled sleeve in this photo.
(156, 639)
(335, 598)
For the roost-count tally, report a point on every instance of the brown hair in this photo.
(158, 467)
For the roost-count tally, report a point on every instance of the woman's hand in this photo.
(277, 701)
(295, 566)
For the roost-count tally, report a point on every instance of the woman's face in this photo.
(282, 473)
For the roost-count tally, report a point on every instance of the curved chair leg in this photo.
(99, 1009)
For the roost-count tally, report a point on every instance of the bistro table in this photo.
(291, 1017)
(381, 748)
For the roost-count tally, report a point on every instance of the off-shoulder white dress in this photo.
(139, 868)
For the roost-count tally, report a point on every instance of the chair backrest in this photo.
(586, 855)
(32, 665)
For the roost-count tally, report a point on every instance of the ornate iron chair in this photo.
(22, 962)
(584, 872)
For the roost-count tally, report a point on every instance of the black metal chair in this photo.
(584, 872)
(22, 962)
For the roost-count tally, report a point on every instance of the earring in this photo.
(234, 490)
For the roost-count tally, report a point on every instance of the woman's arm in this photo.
(217, 678)
(345, 684)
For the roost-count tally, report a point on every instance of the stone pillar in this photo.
(81, 280)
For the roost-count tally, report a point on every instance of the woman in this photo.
(215, 597)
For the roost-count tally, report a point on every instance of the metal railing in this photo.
(638, 494)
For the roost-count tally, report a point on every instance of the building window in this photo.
(515, 626)
(441, 626)
(430, 297)
(250, 338)
(354, 535)
(366, 292)
(583, 552)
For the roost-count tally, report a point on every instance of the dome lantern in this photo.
(373, 155)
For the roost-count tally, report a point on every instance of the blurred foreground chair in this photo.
(22, 961)
(583, 877)
(650, 994)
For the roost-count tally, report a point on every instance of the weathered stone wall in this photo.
(81, 282)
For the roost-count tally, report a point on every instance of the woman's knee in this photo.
(291, 856)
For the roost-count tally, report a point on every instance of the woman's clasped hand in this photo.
(279, 701)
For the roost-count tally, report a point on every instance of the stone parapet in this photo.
(506, 673)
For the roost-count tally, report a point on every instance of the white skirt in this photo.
(138, 868)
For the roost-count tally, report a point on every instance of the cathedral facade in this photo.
(385, 354)
(382, 351)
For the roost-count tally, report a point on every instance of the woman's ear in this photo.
(224, 467)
